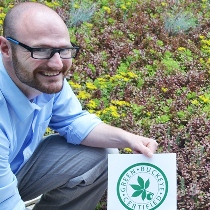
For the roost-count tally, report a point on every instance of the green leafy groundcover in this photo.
(145, 66)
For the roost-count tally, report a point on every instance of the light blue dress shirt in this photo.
(23, 124)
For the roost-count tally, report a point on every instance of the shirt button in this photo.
(27, 155)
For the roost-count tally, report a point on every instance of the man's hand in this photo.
(107, 136)
(144, 145)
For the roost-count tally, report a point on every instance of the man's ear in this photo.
(5, 48)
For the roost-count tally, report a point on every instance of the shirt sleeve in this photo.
(68, 118)
(9, 195)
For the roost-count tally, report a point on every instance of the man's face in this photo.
(43, 75)
(41, 30)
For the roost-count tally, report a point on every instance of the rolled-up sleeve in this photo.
(68, 118)
(9, 195)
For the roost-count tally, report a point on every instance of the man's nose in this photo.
(55, 62)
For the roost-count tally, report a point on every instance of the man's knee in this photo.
(112, 151)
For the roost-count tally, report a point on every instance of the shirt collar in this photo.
(14, 96)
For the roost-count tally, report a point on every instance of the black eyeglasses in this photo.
(47, 53)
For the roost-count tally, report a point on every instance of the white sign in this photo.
(136, 182)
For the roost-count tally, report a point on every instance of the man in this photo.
(68, 169)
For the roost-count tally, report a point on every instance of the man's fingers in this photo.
(147, 148)
(152, 145)
(148, 152)
(142, 149)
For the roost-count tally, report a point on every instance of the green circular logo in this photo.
(142, 186)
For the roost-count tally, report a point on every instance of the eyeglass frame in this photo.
(53, 50)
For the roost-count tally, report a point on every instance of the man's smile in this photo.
(50, 73)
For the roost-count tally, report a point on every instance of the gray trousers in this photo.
(69, 177)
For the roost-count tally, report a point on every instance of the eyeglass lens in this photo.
(47, 53)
